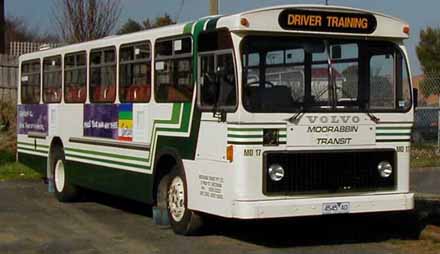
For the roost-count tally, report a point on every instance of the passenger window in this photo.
(75, 78)
(52, 73)
(30, 82)
(135, 73)
(103, 75)
(173, 67)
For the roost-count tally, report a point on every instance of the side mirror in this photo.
(415, 97)
(336, 52)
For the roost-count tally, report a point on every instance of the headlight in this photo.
(276, 172)
(385, 169)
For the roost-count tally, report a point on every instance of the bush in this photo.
(8, 126)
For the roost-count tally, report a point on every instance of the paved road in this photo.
(426, 180)
(32, 221)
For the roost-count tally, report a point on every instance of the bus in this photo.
(285, 111)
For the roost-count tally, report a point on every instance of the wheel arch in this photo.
(165, 160)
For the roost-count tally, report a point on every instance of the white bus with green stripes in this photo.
(285, 111)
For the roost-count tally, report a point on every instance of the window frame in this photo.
(102, 65)
(172, 57)
(32, 61)
(135, 61)
(65, 69)
(227, 109)
(44, 72)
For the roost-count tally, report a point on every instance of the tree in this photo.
(428, 52)
(133, 26)
(130, 26)
(164, 20)
(84, 20)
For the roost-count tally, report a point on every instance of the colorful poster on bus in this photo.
(125, 124)
(101, 120)
(32, 118)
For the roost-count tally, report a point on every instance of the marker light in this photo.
(406, 29)
(244, 22)
(230, 153)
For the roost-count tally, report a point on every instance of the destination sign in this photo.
(335, 22)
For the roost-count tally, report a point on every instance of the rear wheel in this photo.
(64, 190)
(183, 221)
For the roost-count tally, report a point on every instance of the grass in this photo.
(426, 155)
(11, 170)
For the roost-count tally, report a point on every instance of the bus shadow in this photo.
(323, 230)
(123, 204)
(304, 231)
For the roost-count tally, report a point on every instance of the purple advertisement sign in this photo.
(32, 118)
(101, 120)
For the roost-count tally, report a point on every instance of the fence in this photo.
(425, 136)
(8, 79)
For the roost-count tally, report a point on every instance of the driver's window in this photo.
(217, 81)
(207, 81)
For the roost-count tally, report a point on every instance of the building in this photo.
(17, 48)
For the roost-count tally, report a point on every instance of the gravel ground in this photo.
(32, 221)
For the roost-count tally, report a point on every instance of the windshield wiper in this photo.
(297, 116)
(373, 118)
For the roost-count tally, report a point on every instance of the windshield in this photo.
(291, 74)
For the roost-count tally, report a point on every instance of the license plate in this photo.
(336, 208)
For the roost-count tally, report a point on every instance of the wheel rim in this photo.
(59, 176)
(176, 199)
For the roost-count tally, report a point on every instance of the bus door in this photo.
(217, 96)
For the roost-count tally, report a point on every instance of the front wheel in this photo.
(183, 221)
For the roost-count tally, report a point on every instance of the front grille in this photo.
(328, 172)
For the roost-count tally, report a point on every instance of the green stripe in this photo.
(393, 134)
(33, 150)
(110, 162)
(212, 24)
(107, 154)
(32, 144)
(125, 115)
(187, 29)
(244, 136)
(244, 129)
(393, 128)
(244, 143)
(392, 140)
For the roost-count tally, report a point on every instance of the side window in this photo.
(75, 77)
(103, 75)
(52, 73)
(382, 81)
(30, 82)
(173, 69)
(217, 80)
(135, 73)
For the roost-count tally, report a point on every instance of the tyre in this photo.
(183, 221)
(64, 190)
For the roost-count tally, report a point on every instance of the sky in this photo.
(418, 13)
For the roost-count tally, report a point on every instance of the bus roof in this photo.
(258, 20)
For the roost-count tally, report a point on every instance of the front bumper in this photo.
(312, 207)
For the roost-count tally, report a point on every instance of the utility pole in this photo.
(2, 27)
(213, 7)
(326, 2)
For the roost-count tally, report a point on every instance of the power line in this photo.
(179, 12)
